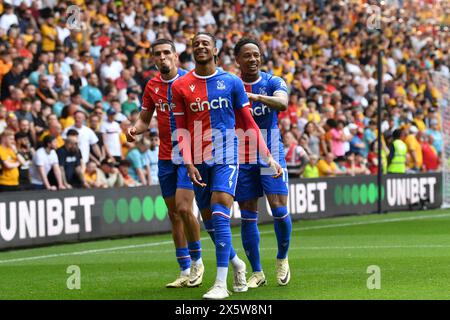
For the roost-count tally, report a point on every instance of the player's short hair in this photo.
(203, 33)
(163, 41)
(243, 42)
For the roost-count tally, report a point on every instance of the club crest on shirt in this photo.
(262, 91)
(192, 87)
(220, 85)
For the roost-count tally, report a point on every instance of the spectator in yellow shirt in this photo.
(312, 169)
(49, 35)
(327, 167)
(414, 149)
(10, 163)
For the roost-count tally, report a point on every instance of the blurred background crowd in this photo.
(72, 82)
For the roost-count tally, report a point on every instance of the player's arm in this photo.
(243, 112)
(145, 116)
(279, 100)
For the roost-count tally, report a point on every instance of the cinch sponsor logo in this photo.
(260, 110)
(306, 197)
(164, 105)
(200, 105)
(134, 210)
(30, 219)
(405, 191)
(354, 194)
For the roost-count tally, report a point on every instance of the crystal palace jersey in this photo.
(207, 106)
(157, 95)
(265, 117)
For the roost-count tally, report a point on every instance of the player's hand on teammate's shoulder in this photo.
(131, 134)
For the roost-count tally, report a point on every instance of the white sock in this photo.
(237, 263)
(222, 273)
(197, 262)
(186, 272)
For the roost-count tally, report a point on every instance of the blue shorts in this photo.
(252, 184)
(218, 177)
(172, 177)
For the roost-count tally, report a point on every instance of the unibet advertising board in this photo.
(38, 218)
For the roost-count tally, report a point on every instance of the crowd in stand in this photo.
(71, 83)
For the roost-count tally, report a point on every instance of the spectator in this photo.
(3, 124)
(110, 130)
(110, 175)
(138, 161)
(130, 105)
(125, 145)
(25, 152)
(92, 176)
(55, 130)
(356, 164)
(45, 92)
(431, 160)
(313, 131)
(94, 124)
(436, 135)
(414, 150)
(327, 166)
(128, 181)
(152, 157)
(12, 78)
(69, 157)
(311, 168)
(10, 162)
(296, 156)
(45, 160)
(356, 143)
(87, 137)
(91, 93)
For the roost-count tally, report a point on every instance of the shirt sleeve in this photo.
(147, 101)
(179, 112)
(53, 158)
(239, 96)
(278, 85)
(39, 159)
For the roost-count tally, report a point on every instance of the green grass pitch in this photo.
(328, 258)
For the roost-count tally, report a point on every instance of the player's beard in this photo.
(164, 69)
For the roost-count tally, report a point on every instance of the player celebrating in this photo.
(268, 96)
(206, 100)
(176, 186)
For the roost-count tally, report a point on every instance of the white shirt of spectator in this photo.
(152, 160)
(129, 20)
(86, 138)
(112, 139)
(112, 71)
(63, 33)
(7, 20)
(42, 159)
(208, 18)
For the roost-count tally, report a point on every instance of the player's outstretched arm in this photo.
(279, 101)
(249, 125)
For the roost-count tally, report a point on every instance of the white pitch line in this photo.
(145, 245)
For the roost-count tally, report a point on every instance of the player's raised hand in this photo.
(275, 167)
(195, 176)
(131, 134)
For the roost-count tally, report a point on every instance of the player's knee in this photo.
(183, 211)
(276, 201)
(174, 217)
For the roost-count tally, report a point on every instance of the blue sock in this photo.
(283, 227)
(209, 227)
(222, 233)
(184, 260)
(195, 250)
(250, 238)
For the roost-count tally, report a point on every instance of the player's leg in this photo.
(277, 191)
(184, 202)
(248, 190)
(223, 187)
(167, 179)
(181, 248)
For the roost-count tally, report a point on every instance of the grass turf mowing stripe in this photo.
(336, 225)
